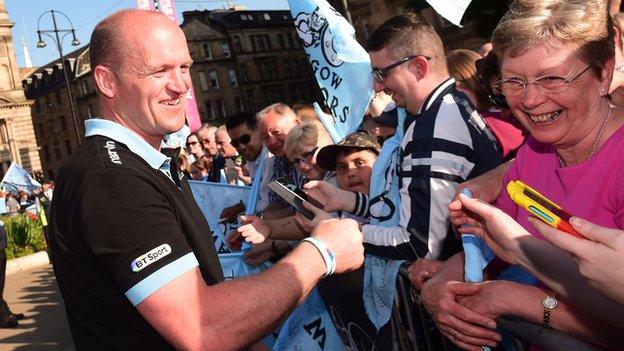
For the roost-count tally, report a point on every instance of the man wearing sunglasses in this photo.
(246, 139)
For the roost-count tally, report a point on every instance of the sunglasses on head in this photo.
(244, 139)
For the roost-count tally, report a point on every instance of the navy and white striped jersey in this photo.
(447, 143)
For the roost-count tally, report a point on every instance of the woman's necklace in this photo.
(562, 163)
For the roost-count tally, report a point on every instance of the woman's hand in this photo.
(255, 230)
(466, 328)
(489, 300)
(600, 258)
(502, 233)
(422, 270)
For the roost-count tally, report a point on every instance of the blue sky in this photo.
(85, 14)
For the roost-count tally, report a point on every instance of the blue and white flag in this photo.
(212, 198)
(341, 66)
(16, 178)
(385, 207)
(309, 328)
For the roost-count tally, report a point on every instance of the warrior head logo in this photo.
(313, 31)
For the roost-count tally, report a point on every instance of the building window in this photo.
(37, 106)
(46, 99)
(280, 40)
(210, 111)
(46, 152)
(295, 68)
(237, 44)
(52, 127)
(203, 81)
(225, 47)
(244, 76)
(214, 80)
(57, 150)
(287, 72)
(305, 67)
(63, 123)
(41, 130)
(267, 41)
(57, 95)
(232, 76)
(68, 147)
(207, 52)
(238, 102)
(221, 108)
(289, 37)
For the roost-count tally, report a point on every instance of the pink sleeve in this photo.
(503, 201)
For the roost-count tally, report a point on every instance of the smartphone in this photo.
(538, 205)
(294, 196)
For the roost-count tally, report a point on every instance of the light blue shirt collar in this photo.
(121, 134)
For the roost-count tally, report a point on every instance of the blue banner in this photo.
(16, 178)
(212, 198)
(341, 66)
(385, 207)
(309, 328)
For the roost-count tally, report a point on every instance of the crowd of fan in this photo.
(548, 93)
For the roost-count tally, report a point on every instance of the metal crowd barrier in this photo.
(414, 329)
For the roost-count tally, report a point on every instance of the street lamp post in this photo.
(59, 41)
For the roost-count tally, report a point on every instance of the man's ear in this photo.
(420, 67)
(105, 80)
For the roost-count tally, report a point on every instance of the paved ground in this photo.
(44, 327)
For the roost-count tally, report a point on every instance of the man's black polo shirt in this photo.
(120, 229)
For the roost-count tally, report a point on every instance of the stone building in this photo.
(246, 60)
(51, 114)
(17, 137)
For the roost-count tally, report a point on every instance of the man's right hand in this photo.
(344, 239)
(332, 198)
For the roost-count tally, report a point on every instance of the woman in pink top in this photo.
(557, 60)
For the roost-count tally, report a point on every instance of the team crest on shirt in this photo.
(150, 257)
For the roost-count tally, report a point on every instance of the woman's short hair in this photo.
(310, 133)
(582, 23)
(462, 67)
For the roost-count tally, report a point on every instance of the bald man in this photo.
(132, 253)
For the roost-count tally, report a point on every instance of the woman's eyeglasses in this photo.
(304, 157)
(514, 87)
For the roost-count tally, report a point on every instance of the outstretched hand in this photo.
(501, 232)
(332, 198)
(600, 257)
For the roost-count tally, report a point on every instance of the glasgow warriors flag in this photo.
(340, 64)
